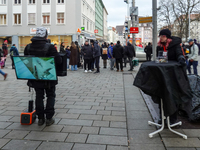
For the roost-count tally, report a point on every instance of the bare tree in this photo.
(174, 14)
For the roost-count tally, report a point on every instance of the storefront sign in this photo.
(33, 30)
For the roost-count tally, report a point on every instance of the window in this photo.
(46, 18)
(60, 1)
(3, 19)
(3, 2)
(17, 1)
(46, 1)
(60, 18)
(87, 25)
(17, 19)
(83, 21)
(31, 1)
(31, 18)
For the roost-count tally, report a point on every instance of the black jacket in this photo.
(36, 48)
(96, 50)
(174, 49)
(148, 50)
(62, 49)
(118, 51)
(130, 50)
(87, 52)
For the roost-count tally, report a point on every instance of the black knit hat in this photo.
(166, 32)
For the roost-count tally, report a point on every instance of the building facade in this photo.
(62, 18)
(99, 19)
(105, 31)
(120, 32)
(112, 35)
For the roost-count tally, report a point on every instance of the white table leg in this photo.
(163, 124)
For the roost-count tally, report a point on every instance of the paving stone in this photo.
(187, 148)
(71, 129)
(180, 142)
(114, 118)
(115, 108)
(75, 111)
(77, 107)
(11, 113)
(77, 138)
(192, 132)
(61, 110)
(21, 145)
(4, 125)
(16, 134)
(87, 103)
(138, 114)
(103, 112)
(90, 130)
(116, 148)
(118, 124)
(113, 131)
(118, 104)
(88, 147)
(69, 116)
(3, 132)
(106, 104)
(118, 113)
(101, 123)
(53, 128)
(147, 147)
(139, 124)
(142, 137)
(76, 122)
(46, 136)
(167, 133)
(5, 118)
(91, 117)
(55, 146)
(33, 127)
(98, 107)
(111, 140)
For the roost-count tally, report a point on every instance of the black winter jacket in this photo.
(36, 48)
(118, 51)
(62, 49)
(130, 50)
(148, 50)
(87, 52)
(174, 49)
(96, 50)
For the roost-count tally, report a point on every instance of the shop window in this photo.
(17, 19)
(61, 1)
(31, 1)
(31, 18)
(2, 2)
(17, 1)
(46, 18)
(3, 19)
(46, 1)
(60, 18)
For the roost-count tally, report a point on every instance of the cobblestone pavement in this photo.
(93, 112)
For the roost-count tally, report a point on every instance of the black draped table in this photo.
(166, 81)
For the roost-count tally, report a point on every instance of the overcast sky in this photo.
(117, 10)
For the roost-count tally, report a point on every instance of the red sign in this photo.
(95, 31)
(134, 30)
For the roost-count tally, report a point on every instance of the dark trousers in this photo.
(39, 103)
(125, 59)
(92, 63)
(131, 62)
(148, 57)
(105, 63)
(119, 60)
(13, 66)
(97, 62)
(87, 62)
(194, 64)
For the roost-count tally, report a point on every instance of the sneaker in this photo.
(50, 121)
(41, 122)
(85, 71)
(5, 76)
(90, 70)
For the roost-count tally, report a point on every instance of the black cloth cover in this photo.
(164, 80)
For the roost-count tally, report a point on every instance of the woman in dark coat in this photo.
(73, 57)
(104, 54)
(62, 48)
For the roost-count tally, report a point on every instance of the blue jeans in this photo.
(194, 64)
(67, 63)
(73, 67)
(1, 72)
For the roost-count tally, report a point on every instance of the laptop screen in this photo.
(35, 68)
